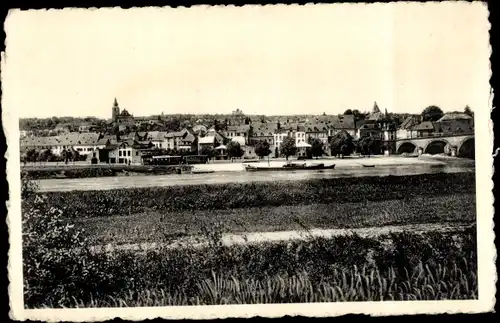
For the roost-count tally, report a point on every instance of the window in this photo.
(128, 153)
(120, 153)
(137, 153)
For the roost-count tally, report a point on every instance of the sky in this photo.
(276, 60)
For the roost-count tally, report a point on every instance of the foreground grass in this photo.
(357, 284)
(153, 226)
(402, 266)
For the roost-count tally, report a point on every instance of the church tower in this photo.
(115, 111)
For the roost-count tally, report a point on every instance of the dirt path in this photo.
(262, 237)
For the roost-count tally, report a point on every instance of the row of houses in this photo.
(128, 148)
(450, 123)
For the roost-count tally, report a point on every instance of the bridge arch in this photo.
(466, 148)
(437, 146)
(406, 147)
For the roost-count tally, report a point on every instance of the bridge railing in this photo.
(439, 135)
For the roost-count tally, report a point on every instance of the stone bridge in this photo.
(460, 145)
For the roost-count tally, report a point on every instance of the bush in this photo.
(56, 261)
(346, 268)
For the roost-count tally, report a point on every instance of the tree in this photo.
(316, 149)
(468, 111)
(367, 145)
(342, 144)
(216, 125)
(262, 149)
(45, 155)
(288, 147)
(432, 113)
(234, 149)
(31, 155)
(208, 151)
(348, 112)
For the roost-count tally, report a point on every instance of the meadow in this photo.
(120, 202)
(61, 270)
(154, 225)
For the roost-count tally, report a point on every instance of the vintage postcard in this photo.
(213, 162)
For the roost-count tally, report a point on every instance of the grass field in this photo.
(59, 269)
(121, 202)
(152, 226)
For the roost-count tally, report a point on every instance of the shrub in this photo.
(56, 261)
(350, 268)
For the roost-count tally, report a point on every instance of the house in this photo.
(405, 130)
(180, 140)
(62, 128)
(238, 131)
(369, 129)
(337, 124)
(426, 128)
(84, 128)
(199, 129)
(213, 139)
(126, 152)
(157, 138)
(83, 143)
(263, 132)
(299, 134)
(86, 143)
(207, 141)
(317, 130)
(40, 144)
(454, 123)
(293, 130)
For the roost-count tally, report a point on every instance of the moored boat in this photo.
(195, 171)
(289, 167)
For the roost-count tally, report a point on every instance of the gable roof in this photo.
(426, 125)
(70, 139)
(409, 122)
(239, 128)
(240, 140)
(207, 140)
(454, 116)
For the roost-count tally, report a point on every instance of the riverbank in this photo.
(93, 171)
(70, 171)
(340, 163)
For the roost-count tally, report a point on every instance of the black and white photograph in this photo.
(313, 160)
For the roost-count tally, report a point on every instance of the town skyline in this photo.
(273, 61)
(364, 111)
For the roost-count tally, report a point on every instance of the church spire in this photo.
(375, 108)
(115, 104)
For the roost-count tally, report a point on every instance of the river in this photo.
(219, 177)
